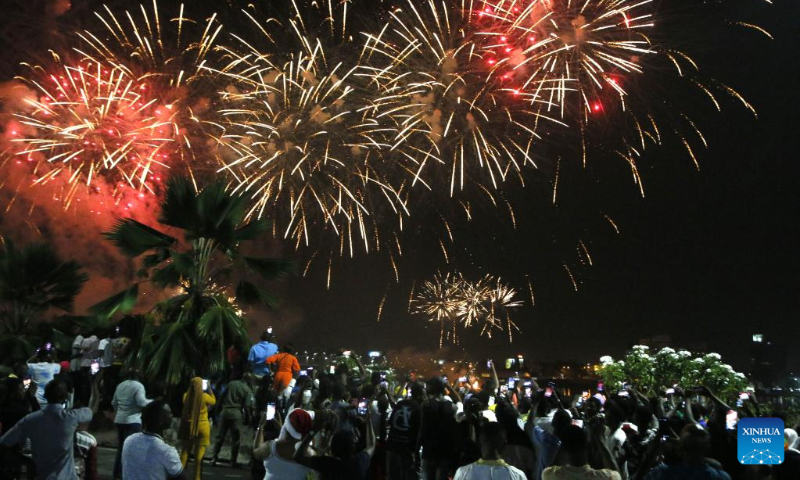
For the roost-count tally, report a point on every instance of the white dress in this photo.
(279, 469)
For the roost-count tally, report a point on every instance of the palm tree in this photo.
(33, 280)
(189, 333)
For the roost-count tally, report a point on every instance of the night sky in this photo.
(706, 257)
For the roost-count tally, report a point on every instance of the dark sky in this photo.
(707, 257)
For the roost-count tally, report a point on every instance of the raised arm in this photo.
(370, 448)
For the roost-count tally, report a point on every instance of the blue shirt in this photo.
(51, 432)
(259, 354)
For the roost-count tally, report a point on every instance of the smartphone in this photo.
(347, 353)
(488, 364)
(95, 368)
(600, 386)
(27, 383)
(491, 400)
(578, 422)
(731, 419)
(462, 379)
(548, 392)
(528, 392)
(309, 370)
(670, 391)
(205, 385)
(512, 382)
(332, 369)
(743, 397)
(270, 411)
(623, 393)
(303, 373)
(362, 408)
(269, 329)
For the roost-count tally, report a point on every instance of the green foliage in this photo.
(189, 333)
(653, 373)
(33, 280)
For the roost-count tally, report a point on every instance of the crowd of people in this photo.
(339, 422)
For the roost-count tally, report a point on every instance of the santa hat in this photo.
(298, 424)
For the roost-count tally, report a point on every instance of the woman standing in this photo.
(195, 431)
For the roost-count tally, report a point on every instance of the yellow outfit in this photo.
(195, 430)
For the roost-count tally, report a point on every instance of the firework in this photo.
(303, 141)
(90, 121)
(452, 301)
(439, 300)
(456, 119)
(121, 112)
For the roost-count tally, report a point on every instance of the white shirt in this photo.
(129, 399)
(75, 363)
(578, 473)
(146, 456)
(489, 470)
(107, 347)
(89, 348)
(41, 374)
(279, 469)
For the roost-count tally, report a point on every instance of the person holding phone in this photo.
(195, 430)
(128, 402)
(278, 455)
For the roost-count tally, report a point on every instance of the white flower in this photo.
(605, 360)
(621, 363)
(697, 360)
(740, 374)
(641, 347)
(684, 353)
(674, 355)
(716, 356)
(666, 350)
(727, 367)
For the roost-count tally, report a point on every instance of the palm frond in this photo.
(123, 301)
(134, 238)
(253, 230)
(179, 208)
(270, 268)
(247, 293)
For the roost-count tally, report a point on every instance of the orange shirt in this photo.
(287, 363)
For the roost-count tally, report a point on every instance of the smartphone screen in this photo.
(332, 369)
(578, 423)
(731, 419)
(670, 391)
(95, 368)
(270, 411)
(362, 407)
(512, 382)
(599, 386)
(491, 400)
(27, 383)
(303, 373)
(623, 393)
(205, 384)
(528, 392)
(548, 392)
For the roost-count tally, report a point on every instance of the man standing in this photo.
(145, 456)
(129, 399)
(42, 372)
(260, 352)
(401, 443)
(236, 400)
(51, 432)
(491, 464)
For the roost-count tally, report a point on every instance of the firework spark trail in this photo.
(120, 111)
(455, 120)
(304, 144)
(452, 301)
